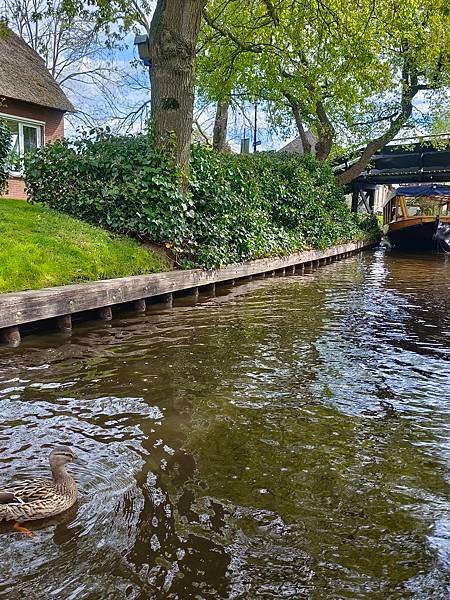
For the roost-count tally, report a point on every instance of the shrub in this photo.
(237, 208)
(122, 183)
(5, 147)
(251, 206)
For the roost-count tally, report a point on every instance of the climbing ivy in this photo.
(5, 147)
(236, 208)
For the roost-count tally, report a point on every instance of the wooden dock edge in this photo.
(60, 303)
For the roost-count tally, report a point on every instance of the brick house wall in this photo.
(52, 130)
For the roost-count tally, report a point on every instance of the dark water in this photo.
(286, 439)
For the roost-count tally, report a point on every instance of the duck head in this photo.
(61, 456)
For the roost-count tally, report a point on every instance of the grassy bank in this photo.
(42, 248)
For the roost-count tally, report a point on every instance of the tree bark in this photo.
(173, 37)
(325, 133)
(295, 107)
(221, 125)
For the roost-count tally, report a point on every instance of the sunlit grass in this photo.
(42, 248)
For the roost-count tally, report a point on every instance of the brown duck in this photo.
(38, 498)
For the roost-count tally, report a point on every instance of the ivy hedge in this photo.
(5, 147)
(235, 208)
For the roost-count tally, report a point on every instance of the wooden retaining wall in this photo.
(61, 303)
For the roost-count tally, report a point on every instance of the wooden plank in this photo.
(26, 307)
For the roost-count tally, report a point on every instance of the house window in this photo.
(25, 137)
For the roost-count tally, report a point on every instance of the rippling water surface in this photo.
(286, 439)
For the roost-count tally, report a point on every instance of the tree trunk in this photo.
(325, 133)
(173, 37)
(295, 107)
(221, 125)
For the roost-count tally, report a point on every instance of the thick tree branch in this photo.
(410, 88)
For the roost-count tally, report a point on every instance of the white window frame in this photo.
(21, 122)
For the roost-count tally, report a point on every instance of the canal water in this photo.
(288, 438)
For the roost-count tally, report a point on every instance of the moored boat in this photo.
(418, 218)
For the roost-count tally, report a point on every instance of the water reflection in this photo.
(286, 439)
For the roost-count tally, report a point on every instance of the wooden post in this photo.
(140, 305)
(10, 336)
(292, 270)
(301, 268)
(105, 313)
(355, 198)
(210, 289)
(167, 299)
(64, 324)
(193, 292)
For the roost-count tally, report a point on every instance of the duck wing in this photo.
(27, 491)
(9, 498)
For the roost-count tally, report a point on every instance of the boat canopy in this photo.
(429, 190)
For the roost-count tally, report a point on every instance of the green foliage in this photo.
(353, 60)
(54, 249)
(441, 116)
(5, 147)
(237, 207)
(122, 183)
(253, 206)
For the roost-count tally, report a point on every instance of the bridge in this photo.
(407, 160)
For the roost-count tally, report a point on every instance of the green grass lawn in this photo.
(42, 248)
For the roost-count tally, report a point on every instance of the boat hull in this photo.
(419, 235)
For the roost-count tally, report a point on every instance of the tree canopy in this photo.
(349, 71)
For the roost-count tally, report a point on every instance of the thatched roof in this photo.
(296, 146)
(24, 76)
